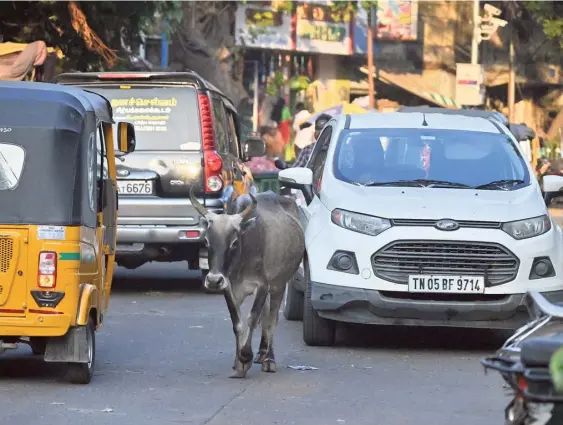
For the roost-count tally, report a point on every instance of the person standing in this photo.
(305, 153)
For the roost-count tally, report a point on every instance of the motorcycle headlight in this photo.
(361, 223)
(528, 228)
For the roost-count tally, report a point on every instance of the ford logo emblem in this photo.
(122, 173)
(447, 225)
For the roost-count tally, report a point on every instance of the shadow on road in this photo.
(421, 338)
(157, 277)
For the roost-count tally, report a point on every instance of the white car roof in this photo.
(415, 120)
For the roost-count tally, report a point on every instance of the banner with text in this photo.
(319, 29)
(261, 27)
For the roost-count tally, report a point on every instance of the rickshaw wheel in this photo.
(81, 373)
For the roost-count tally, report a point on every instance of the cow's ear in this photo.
(247, 223)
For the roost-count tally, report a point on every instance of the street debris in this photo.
(303, 367)
(196, 326)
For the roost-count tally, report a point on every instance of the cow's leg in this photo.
(244, 358)
(264, 318)
(233, 305)
(276, 298)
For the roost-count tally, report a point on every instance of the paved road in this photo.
(166, 350)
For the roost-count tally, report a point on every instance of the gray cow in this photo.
(257, 249)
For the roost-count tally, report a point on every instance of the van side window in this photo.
(220, 125)
(233, 137)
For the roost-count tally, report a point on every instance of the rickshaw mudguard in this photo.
(73, 346)
(88, 299)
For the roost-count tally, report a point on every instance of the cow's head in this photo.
(222, 237)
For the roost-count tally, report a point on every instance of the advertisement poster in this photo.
(260, 27)
(321, 30)
(397, 20)
(361, 33)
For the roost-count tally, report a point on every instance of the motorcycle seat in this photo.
(536, 352)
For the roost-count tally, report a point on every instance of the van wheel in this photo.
(81, 373)
(38, 346)
(316, 330)
(293, 299)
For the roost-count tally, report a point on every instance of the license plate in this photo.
(135, 187)
(447, 284)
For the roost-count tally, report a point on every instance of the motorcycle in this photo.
(524, 363)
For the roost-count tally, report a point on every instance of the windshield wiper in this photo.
(500, 183)
(418, 183)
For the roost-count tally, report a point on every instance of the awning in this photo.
(413, 83)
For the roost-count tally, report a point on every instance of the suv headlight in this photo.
(528, 228)
(361, 223)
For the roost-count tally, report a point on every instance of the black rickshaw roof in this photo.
(58, 94)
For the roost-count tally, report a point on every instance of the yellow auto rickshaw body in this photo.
(58, 221)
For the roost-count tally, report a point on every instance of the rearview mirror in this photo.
(126, 137)
(300, 178)
(552, 188)
(253, 146)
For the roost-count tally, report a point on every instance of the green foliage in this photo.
(550, 15)
(111, 21)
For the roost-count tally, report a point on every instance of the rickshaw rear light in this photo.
(47, 270)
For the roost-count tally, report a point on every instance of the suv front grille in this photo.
(432, 223)
(397, 260)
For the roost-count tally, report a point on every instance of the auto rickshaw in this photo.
(58, 197)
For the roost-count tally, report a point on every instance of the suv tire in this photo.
(317, 331)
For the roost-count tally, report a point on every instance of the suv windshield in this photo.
(432, 158)
(165, 118)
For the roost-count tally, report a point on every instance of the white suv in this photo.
(420, 219)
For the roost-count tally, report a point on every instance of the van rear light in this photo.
(206, 120)
(47, 270)
(212, 161)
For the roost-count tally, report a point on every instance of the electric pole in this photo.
(476, 34)
(511, 66)
(371, 67)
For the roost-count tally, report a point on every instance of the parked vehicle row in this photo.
(420, 219)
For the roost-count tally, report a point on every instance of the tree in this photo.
(90, 34)
(550, 15)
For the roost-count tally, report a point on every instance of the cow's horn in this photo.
(248, 210)
(197, 205)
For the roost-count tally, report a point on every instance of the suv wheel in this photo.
(316, 330)
(293, 299)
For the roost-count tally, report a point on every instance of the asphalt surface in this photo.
(166, 349)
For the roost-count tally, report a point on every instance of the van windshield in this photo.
(433, 158)
(165, 118)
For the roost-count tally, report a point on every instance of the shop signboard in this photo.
(262, 27)
(320, 29)
(397, 20)
(470, 84)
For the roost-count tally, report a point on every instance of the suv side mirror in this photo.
(253, 146)
(126, 137)
(299, 178)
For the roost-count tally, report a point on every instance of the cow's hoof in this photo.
(260, 357)
(269, 366)
(238, 374)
